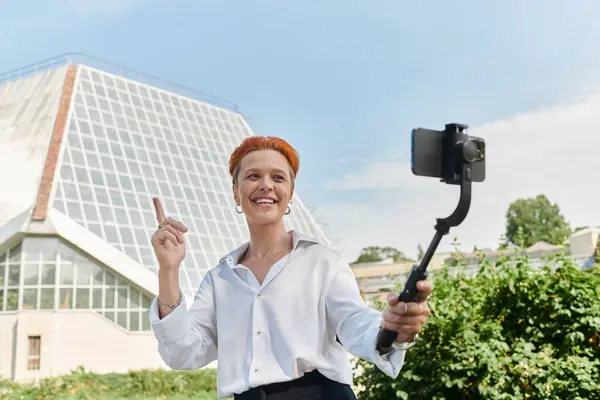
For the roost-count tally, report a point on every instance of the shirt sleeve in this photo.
(357, 325)
(187, 339)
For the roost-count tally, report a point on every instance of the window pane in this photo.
(74, 210)
(145, 322)
(33, 364)
(13, 275)
(110, 315)
(84, 271)
(111, 234)
(30, 274)
(2, 272)
(122, 319)
(47, 299)
(29, 299)
(126, 234)
(90, 212)
(82, 298)
(66, 274)
(15, 255)
(96, 298)
(48, 274)
(140, 235)
(96, 229)
(122, 298)
(97, 275)
(67, 253)
(146, 302)
(49, 249)
(33, 248)
(134, 299)
(12, 299)
(33, 356)
(66, 298)
(134, 321)
(86, 193)
(109, 301)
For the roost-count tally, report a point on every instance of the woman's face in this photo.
(264, 186)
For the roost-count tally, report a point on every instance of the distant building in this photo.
(584, 244)
(376, 279)
(581, 246)
(82, 153)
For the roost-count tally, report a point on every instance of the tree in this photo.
(377, 253)
(503, 242)
(539, 219)
(507, 333)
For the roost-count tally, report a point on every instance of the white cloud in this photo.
(554, 151)
(378, 175)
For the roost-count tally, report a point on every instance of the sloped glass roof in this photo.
(28, 109)
(127, 142)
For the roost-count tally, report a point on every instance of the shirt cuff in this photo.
(173, 326)
(390, 363)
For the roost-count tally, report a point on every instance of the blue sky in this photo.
(346, 81)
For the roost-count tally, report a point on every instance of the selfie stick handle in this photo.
(419, 272)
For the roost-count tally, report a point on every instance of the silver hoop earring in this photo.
(287, 211)
(238, 211)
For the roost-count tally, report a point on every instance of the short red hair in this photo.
(253, 143)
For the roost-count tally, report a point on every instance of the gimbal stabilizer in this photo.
(462, 162)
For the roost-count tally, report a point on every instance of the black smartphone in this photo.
(428, 151)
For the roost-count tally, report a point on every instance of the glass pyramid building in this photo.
(84, 150)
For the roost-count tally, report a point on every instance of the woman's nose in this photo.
(266, 184)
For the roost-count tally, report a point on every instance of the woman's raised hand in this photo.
(168, 241)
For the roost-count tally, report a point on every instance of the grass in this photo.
(134, 385)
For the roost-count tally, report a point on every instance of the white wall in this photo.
(70, 339)
(7, 324)
(584, 242)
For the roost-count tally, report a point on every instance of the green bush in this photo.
(511, 332)
(144, 384)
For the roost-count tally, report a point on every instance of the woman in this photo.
(270, 311)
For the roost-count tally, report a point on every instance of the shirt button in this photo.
(258, 295)
(255, 369)
(258, 333)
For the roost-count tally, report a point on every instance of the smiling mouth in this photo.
(264, 201)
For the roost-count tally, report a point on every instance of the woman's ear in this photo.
(236, 195)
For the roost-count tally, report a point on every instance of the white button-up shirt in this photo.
(277, 331)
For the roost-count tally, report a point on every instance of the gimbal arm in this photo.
(419, 272)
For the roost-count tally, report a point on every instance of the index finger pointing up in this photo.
(160, 213)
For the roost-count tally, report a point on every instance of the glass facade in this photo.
(45, 273)
(127, 142)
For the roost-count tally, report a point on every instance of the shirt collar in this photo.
(232, 258)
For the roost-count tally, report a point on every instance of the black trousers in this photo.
(312, 386)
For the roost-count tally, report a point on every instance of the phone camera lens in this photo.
(470, 151)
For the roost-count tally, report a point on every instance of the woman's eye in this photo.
(278, 178)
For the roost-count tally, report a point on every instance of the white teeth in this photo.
(264, 201)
